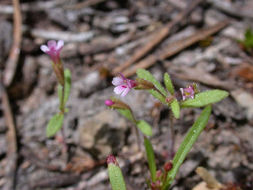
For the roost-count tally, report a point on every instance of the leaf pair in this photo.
(161, 93)
(200, 100)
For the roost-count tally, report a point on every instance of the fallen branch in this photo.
(158, 36)
(11, 165)
(65, 36)
(12, 60)
(175, 47)
(84, 4)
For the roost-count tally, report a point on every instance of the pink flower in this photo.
(188, 92)
(123, 85)
(109, 102)
(53, 49)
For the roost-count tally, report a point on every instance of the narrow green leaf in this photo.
(187, 144)
(146, 75)
(175, 107)
(127, 114)
(59, 90)
(67, 84)
(168, 83)
(144, 127)
(54, 124)
(205, 98)
(158, 96)
(116, 177)
(151, 158)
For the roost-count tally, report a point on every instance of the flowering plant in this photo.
(189, 97)
(53, 49)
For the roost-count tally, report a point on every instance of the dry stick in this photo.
(158, 36)
(84, 4)
(11, 165)
(11, 63)
(175, 47)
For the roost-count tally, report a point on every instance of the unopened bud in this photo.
(109, 102)
(168, 166)
(111, 160)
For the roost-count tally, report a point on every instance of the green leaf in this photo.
(54, 124)
(67, 86)
(127, 114)
(168, 83)
(144, 127)
(205, 98)
(146, 75)
(116, 177)
(151, 158)
(175, 108)
(187, 143)
(157, 95)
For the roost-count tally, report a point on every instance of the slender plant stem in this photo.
(62, 106)
(62, 110)
(137, 134)
(172, 135)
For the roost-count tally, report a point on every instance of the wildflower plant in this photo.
(53, 49)
(188, 97)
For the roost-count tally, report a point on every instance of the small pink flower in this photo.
(53, 49)
(123, 85)
(109, 102)
(188, 92)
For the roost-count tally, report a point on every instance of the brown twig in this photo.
(157, 37)
(10, 169)
(176, 47)
(84, 4)
(99, 48)
(12, 60)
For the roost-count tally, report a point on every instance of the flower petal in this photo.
(125, 91)
(117, 81)
(51, 44)
(60, 44)
(44, 48)
(119, 89)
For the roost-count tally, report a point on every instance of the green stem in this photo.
(62, 106)
(172, 135)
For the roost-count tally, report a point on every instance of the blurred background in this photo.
(209, 42)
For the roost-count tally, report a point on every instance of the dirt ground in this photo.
(194, 41)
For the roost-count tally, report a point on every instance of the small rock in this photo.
(104, 133)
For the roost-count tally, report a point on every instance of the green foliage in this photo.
(151, 158)
(67, 86)
(127, 114)
(144, 127)
(146, 75)
(116, 177)
(248, 39)
(157, 95)
(205, 98)
(168, 83)
(175, 108)
(187, 144)
(54, 124)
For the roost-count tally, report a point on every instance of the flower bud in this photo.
(109, 102)
(111, 160)
(168, 166)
